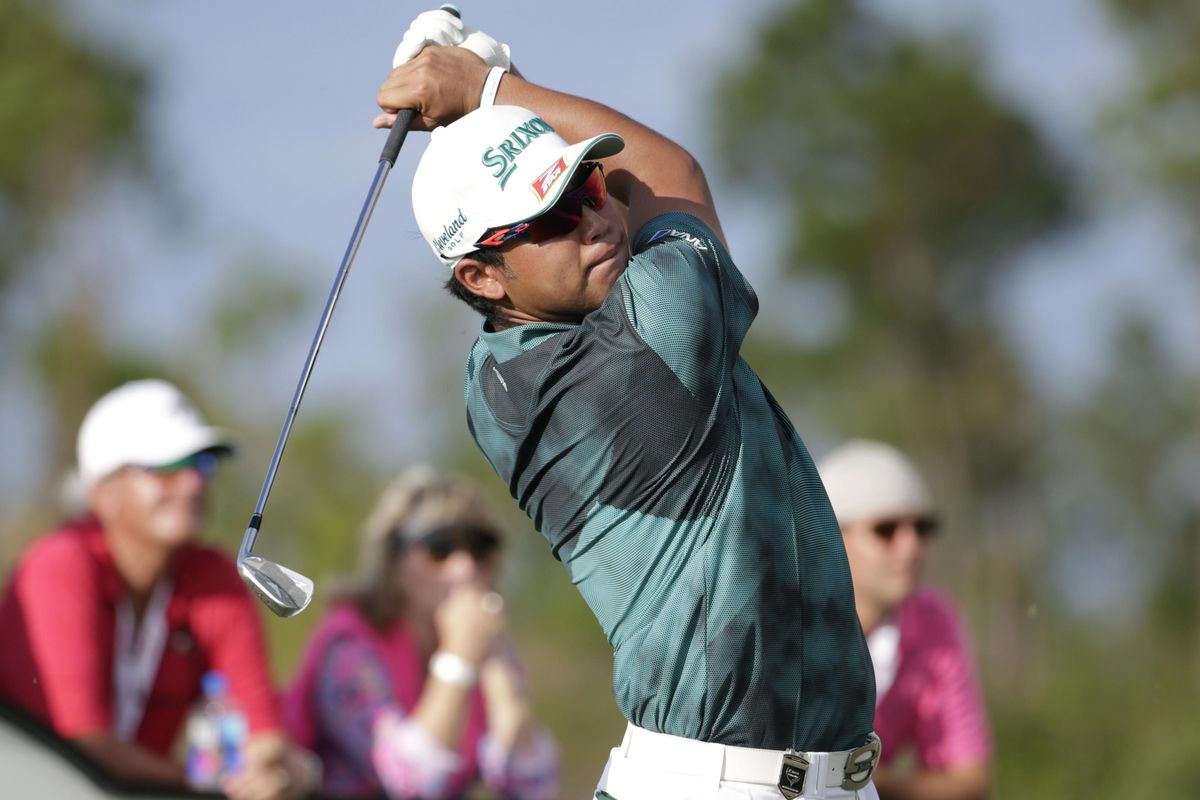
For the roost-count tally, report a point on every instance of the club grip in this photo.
(395, 140)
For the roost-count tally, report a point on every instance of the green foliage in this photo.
(909, 186)
(1159, 123)
(65, 113)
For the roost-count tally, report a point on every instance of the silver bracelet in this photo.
(491, 85)
(452, 668)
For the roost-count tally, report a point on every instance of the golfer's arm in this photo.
(652, 175)
(130, 763)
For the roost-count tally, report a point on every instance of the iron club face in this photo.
(284, 591)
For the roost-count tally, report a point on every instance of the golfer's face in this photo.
(165, 508)
(564, 278)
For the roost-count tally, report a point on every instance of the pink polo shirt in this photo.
(933, 704)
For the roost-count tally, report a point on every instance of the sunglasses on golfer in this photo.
(587, 186)
(441, 543)
(205, 462)
(926, 527)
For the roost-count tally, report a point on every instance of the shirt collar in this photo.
(511, 342)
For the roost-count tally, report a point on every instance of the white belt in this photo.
(751, 765)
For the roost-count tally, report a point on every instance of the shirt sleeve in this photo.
(358, 712)
(529, 772)
(687, 299)
(226, 622)
(952, 726)
(70, 631)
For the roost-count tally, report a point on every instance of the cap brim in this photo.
(602, 146)
(202, 439)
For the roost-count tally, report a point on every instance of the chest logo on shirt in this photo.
(500, 378)
(695, 241)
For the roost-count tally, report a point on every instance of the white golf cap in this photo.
(497, 166)
(868, 480)
(146, 423)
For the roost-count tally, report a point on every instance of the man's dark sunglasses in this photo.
(442, 542)
(925, 526)
(587, 186)
(205, 462)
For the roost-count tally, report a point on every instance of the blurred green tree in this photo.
(1158, 122)
(904, 187)
(67, 114)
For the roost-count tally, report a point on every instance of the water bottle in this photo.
(216, 731)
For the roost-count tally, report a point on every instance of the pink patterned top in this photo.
(349, 704)
(934, 703)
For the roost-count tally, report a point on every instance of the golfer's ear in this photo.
(479, 278)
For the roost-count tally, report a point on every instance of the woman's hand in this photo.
(506, 694)
(469, 622)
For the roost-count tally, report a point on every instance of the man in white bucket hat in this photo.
(110, 621)
(928, 696)
(607, 390)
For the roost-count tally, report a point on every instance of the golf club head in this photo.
(284, 591)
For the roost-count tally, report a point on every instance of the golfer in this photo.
(606, 388)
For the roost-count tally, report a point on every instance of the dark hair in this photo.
(492, 258)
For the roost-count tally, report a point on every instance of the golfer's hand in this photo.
(273, 769)
(441, 83)
(443, 29)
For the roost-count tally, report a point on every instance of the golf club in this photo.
(285, 591)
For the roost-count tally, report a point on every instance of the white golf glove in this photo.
(443, 29)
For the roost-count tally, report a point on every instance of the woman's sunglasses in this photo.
(441, 543)
(926, 527)
(587, 186)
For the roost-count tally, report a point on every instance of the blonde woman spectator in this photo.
(410, 685)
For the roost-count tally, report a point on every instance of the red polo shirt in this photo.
(57, 632)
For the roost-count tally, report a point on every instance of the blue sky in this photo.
(261, 118)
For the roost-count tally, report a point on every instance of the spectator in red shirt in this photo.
(110, 620)
(927, 696)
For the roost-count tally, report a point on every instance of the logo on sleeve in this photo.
(545, 182)
(694, 241)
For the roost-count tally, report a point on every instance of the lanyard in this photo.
(136, 658)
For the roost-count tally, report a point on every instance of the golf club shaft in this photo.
(386, 160)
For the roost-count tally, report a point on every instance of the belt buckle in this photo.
(792, 774)
(863, 759)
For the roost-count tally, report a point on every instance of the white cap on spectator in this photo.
(146, 423)
(869, 480)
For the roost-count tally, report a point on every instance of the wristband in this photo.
(451, 668)
(491, 85)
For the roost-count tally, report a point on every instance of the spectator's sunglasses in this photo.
(925, 526)
(587, 186)
(205, 462)
(441, 543)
